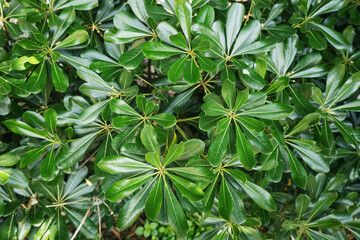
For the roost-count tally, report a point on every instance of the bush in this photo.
(240, 118)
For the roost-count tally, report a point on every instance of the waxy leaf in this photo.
(225, 203)
(183, 12)
(119, 164)
(149, 139)
(273, 111)
(190, 190)
(158, 51)
(298, 172)
(125, 187)
(154, 201)
(176, 215)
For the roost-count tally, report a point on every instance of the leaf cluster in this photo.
(239, 117)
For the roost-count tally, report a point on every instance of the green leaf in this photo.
(175, 151)
(225, 204)
(273, 111)
(308, 67)
(132, 208)
(237, 174)
(317, 95)
(32, 155)
(125, 187)
(346, 132)
(228, 90)
(183, 12)
(91, 113)
(176, 216)
(93, 79)
(275, 11)
(289, 225)
(326, 7)
(260, 196)
(66, 18)
(235, 14)
(176, 70)
(9, 159)
(154, 201)
(305, 123)
(278, 85)
(164, 119)
(206, 64)
(333, 81)
(316, 41)
(192, 148)
(129, 29)
(191, 72)
(352, 106)
(250, 78)
(258, 139)
(281, 32)
(298, 172)
(76, 38)
(120, 164)
(37, 79)
(323, 203)
(247, 36)
(59, 78)
(270, 161)
(67, 158)
(119, 106)
(330, 223)
(256, 47)
(326, 136)
(21, 128)
(302, 105)
(196, 174)
(5, 88)
(244, 150)
(179, 100)
(252, 124)
(48, 170)
(154, 159)
(334, 38)
(131, 59)
(206, 15)
(124, 121)
(4, 177)
(190, 190)
(241, 98)
(179, 40)
(159, 51)
(50, 117)
(314, 160)
(149, 139)
(218, 147)
(14, 178)
(301, 204)
(213, 109)
(138, 8)
(29, 45)
(348, 88)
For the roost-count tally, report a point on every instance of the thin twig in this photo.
(68, 203)
(80, 200)
(99, 217)
(92, 155)
(83, 220)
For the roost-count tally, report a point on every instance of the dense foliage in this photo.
(238, 118)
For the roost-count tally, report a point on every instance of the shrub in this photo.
(239, 117)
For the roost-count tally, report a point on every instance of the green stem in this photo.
(188, 119)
